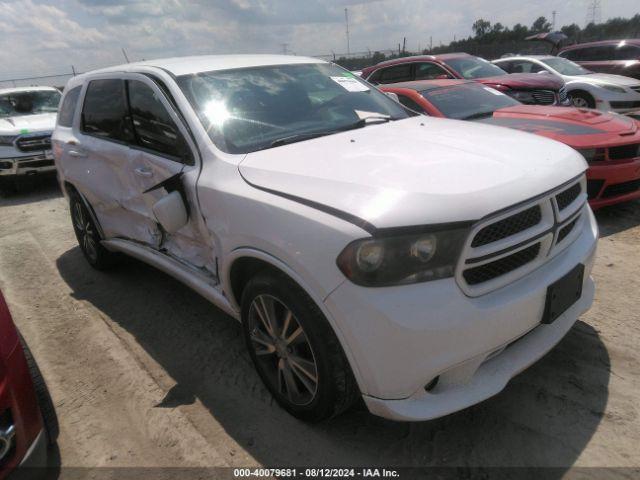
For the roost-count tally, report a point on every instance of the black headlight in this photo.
(593, 154)
(402, 259)
(522, 96)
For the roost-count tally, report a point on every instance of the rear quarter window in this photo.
(68, 107)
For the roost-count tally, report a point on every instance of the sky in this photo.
(45, 38)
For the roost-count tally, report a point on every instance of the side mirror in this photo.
(393, 96)
(544, 72)
(171, 212)
(443, 76)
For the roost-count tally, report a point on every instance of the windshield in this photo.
(564, 66)
(250, 109)
(29, 102)
(468, 100)
(474, 67)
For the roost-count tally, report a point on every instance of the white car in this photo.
(27, 119)
(417, 262)
(585, 88)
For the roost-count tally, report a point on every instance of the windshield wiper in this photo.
(477, 115)
(299, 137)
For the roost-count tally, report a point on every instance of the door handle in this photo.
(77, 153)
(143, 172)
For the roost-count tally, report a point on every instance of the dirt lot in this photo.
(144, 372)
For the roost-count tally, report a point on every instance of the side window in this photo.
(627, 52)
(153, 127)
(397, 73)
(506, 66)
(524, 66)
(409, 103)
(429, 71)
(375, 77)
(104, 113)
(573, 55)
(594, 54)
(68, 108)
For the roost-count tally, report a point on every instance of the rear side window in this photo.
(68, 108)
(627, 52)
(104, 113)
(153, 126)
(398, 73)
(429, 71)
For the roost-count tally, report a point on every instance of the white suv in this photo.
(27, 118)
(417, 262)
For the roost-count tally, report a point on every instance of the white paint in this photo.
(417, 171)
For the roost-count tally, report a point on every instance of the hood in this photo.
(578, 128)
(525, 81)
(607, 78)
(42, 122)
(415, 171)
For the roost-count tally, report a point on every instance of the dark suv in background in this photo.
(528, 88)
(621, 57)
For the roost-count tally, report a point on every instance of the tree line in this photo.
(493, 40)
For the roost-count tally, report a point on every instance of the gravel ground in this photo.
(144, 372)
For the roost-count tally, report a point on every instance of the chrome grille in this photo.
(544, 97)
(32, 143)
(510, 244)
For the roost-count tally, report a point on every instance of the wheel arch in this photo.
(70, 190)
(243, 263)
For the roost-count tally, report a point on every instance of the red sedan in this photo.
(609, 142)
(27, 418)
(528, 88)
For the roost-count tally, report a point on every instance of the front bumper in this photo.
(400, 338)
(36, 163)
(613, 182)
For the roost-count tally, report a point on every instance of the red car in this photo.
(528, 88)
(27, 418)
(621, 57)
(609, 142)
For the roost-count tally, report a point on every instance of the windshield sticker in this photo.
(493, 90)
(350, 84)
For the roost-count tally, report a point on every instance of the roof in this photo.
(524, 57)
(4, 91)
(634, 41)
(447, 56)
(206, 63)
(421, 85)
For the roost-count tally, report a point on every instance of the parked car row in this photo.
(371, 249)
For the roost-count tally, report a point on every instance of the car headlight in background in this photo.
(402, 259)
(614, 88)
(593, 154)
(524, 97)
(7, 139)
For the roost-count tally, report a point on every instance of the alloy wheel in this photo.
(580, 102)
(282, 350)
(85, 232)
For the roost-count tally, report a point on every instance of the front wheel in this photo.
(87, 234)
(294, 350)
(582, 100)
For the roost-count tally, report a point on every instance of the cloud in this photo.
(47, 37)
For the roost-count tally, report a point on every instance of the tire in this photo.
(582, 100)
(289, 364)
(87, 235)
(8, 187)
(47, 409)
